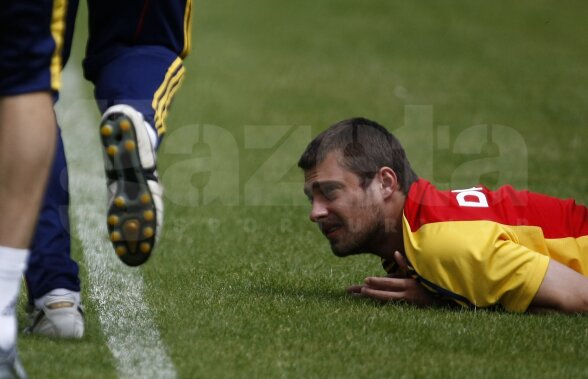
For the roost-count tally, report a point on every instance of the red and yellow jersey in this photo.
(481, 247)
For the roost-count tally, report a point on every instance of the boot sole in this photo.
(131, 218)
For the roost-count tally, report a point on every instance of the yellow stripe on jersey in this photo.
(481, 261)
(163, 96)
(58, 16)
(174, 86)
(187, 29)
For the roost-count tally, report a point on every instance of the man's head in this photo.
(365, 147)
(356, 176)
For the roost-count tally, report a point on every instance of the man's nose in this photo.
(318, 211)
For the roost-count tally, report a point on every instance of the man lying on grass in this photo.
(475, 247)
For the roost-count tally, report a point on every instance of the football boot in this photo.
(59, 316)
(135, 204)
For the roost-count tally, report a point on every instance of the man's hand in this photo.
(402, 267)
(396, 287)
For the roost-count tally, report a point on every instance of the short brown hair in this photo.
(366, 146)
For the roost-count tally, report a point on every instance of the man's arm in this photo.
(562, 289)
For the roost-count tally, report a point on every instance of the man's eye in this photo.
(330, 193)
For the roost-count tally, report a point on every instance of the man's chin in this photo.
(342, 251)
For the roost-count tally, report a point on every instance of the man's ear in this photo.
(388, 181)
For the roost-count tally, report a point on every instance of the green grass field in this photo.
(244, 286)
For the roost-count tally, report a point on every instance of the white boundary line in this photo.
(117, 290)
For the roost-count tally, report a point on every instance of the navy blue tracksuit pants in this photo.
(134, 56)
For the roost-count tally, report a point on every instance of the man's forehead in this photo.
(328, 167)
(329, 170)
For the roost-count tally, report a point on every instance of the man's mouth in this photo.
(329, 230)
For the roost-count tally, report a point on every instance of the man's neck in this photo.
(391, 238)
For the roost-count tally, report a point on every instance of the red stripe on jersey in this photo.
(556, 217)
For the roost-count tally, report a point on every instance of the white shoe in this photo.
(10, 366)
(135, 214)
(60, 316)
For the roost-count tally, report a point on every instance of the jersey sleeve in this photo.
(475, 263)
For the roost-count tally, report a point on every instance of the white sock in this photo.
(13, 263)
(152, 134)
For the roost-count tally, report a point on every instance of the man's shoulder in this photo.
(426, 204)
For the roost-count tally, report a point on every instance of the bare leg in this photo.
(27, 140)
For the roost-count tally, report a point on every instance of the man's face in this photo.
(349, 215)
